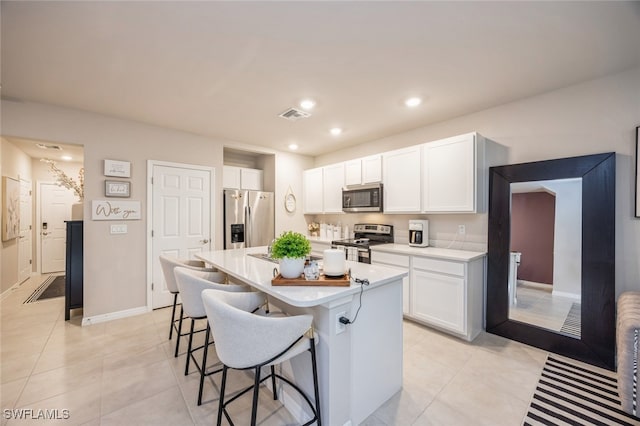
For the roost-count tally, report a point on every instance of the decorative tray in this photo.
(323, 281)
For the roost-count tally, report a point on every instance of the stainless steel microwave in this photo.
(362, 198)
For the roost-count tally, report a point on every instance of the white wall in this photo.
(115, 266)
(592, 117)
(567, 238)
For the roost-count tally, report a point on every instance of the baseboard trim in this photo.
(114, 315)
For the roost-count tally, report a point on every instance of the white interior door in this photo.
(181, 222)
(25, 242)
(55, 208)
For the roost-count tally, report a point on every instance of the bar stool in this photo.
(246, 341)
(191, 284)
(168, 264)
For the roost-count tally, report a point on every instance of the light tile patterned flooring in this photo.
(538, 306)
(123, 373)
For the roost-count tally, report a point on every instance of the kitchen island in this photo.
(360, 364)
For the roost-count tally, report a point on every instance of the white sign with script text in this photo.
(115, 210)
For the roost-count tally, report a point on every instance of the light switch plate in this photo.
(119, 229)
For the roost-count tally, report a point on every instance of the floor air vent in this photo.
(293, 114)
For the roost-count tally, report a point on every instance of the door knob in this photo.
(205, 241)
(45, 233)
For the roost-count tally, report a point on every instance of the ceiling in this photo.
(227, 69)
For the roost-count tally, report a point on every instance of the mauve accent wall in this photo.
(532, 225)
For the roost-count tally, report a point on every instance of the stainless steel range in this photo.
(365, 235)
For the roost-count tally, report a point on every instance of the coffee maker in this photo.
(418, 233)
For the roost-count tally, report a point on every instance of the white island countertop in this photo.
(442, 253)
(259, 272)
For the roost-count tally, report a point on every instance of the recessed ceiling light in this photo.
(293, 146)
(67, 158)
(413, 102)
(307, 103)
(336, 131)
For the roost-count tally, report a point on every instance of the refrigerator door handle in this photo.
(247, 226)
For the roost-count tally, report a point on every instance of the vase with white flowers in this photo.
(291, 248)
(62, 179)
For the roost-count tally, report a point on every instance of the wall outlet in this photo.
(119, 229)
(462, 230)
(340, 327)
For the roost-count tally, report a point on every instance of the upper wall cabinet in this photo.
(312, 191)
(363, 170)
(241, 178)
(450, 168)
(333, 182)
(402, 180)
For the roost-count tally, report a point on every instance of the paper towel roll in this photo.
(334, 263)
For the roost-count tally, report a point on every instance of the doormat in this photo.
(573, 393)
(52, 287)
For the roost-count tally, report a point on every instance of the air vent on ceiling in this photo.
(45, 146)
(293, 114)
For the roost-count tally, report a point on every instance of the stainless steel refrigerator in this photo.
(249, 218)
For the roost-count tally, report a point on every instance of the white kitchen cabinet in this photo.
(455, 173)
(333, 182)
(241, 178)
(398, 261)
(372, 169)
(402, 180)
(363, 170)
(312, 191)
(448, 294)
(353, 172)
(251, 179)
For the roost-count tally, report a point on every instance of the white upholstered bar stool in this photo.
(191, 284)
(245, 341)
(168, 264)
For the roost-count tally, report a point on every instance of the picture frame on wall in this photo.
(117, 168)
(637, 172)
(117, 188)
(10, 208)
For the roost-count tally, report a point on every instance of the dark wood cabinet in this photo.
(73, 270)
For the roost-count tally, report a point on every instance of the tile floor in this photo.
(537, 305)
(123, 373)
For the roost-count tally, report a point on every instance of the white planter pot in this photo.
(291, 268)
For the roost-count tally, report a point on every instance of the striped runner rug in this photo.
(573, 393)
(571, 324)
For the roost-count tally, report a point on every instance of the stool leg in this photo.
(256, 393)
(203, 367)
(173, 315)
(273, 382)
(175, 355)
(186, 366)
(221, 400)
(316, 391)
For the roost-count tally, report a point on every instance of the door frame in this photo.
(150, 189)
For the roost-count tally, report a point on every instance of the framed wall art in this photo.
(117, 188)
(117, 168)
(115, 210)
(10, 208)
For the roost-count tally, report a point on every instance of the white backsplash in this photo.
(443, 229)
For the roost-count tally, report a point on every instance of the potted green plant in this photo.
(291, 248)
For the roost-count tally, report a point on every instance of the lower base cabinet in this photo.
(445, 294)
(448, 295)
